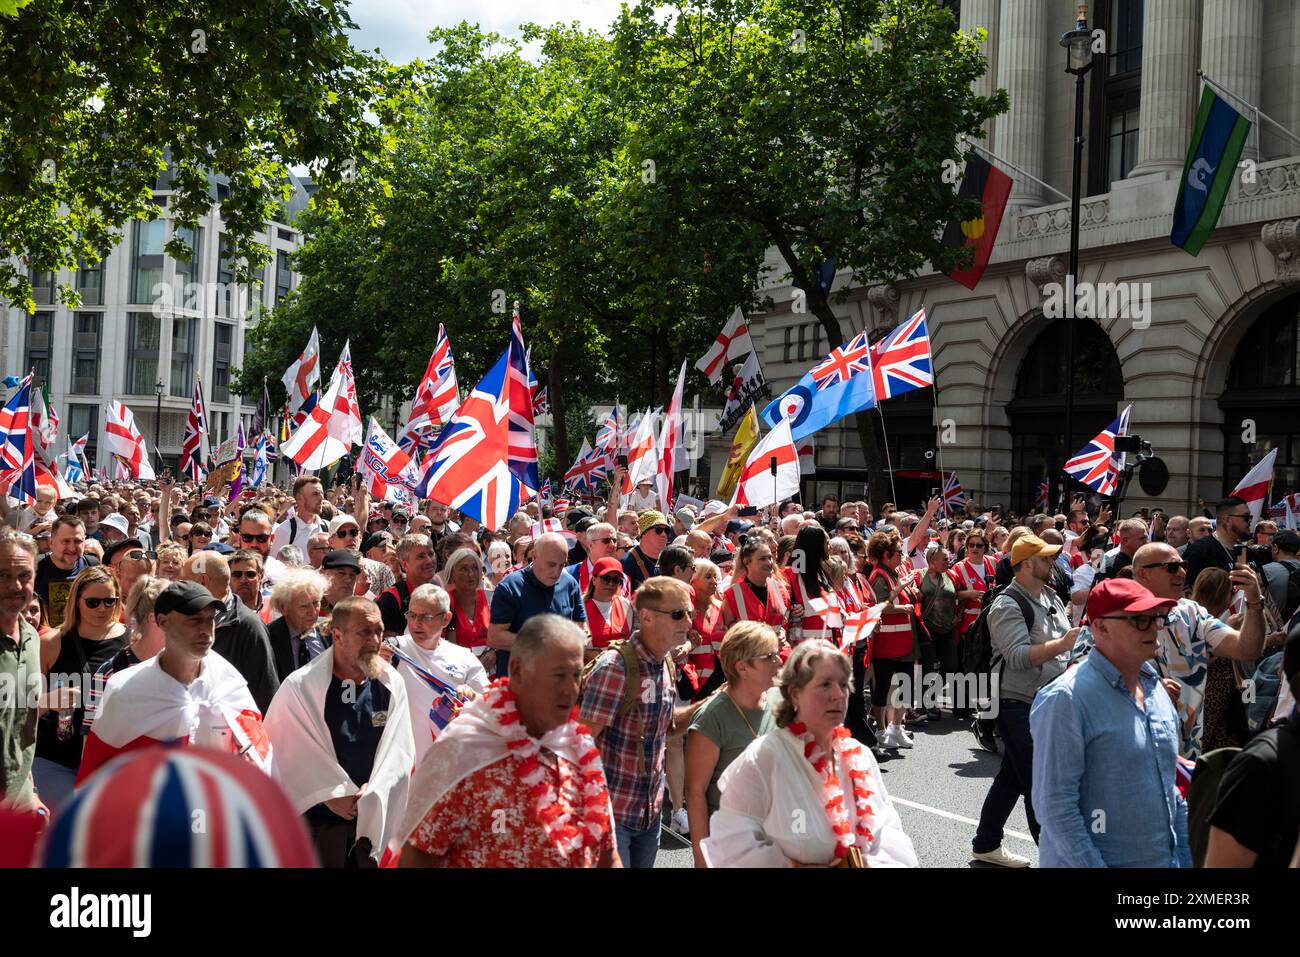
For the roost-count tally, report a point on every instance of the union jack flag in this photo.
(18, 457)
(1097, 465)
(541, 402)
(1044, 492)
(193, 442)
(519, 398)
(583, 473)
(610, 430)
(446, 702)
(953, 499)
(435, 400)
(470, 469)
(900, 362)
(846, 361)
(545, 493)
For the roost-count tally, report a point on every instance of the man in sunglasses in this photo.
(1193, 635)
(346, 534)
(600, 541)
(1232, 520)
(639, 564)
(254, 533)
(1104, 795)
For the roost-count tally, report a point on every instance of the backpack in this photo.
(1292, 588)
(1202, 795)
(1265, 682)
(978, 655)
(631, 686)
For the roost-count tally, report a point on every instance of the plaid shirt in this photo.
(637, 795)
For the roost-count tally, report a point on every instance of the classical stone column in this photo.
(984, 13)
(1022, 72)
(1170, 48)
(1232, 34)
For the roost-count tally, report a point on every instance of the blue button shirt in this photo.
(1104, 771)
(520, 596)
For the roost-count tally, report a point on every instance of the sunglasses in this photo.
(1140, 622)
(677, 614)
(773, 659)
(1172, 568)
(255, 538)
(349, 533)
(606, 541)
(611, 579)
(249, 574)
(96, 602)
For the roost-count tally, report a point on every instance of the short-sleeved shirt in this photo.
(636, 786)
(520, 596)
(487, 820)
(720, 720)
(356, 716)
(54, 584)
(1257, 802)
(938, 603)
(20, 674)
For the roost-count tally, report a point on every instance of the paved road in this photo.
(938, 788)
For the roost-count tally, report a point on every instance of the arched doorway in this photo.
(1264, 386)
(1037, 410)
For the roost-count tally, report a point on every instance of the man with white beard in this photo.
(342, 733)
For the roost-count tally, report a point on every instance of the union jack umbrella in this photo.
(1097, 465)
(179, 807)
(900, 362)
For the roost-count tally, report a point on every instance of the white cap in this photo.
(340, 521)
(117, 521)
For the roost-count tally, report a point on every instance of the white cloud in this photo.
(400, 28)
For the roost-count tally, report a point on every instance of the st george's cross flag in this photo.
(1253, 489)
(859, 625)
(671, 453)
(469, 470)
(807, 455)
(1097, 465)
(757, 486)
(302, 376)
(901, 361)
(733, 342)
(323, 437)
(124, 442)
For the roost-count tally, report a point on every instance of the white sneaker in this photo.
(888, 739)
(679, 822)
(905, 739)
(1002, 857)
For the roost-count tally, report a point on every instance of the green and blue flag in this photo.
(1217, 141)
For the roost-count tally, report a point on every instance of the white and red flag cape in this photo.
(302, 376)
(145, 706)
(733, 342)
(1253, 489)
(123, 440)
(308, 768)
(757, 486)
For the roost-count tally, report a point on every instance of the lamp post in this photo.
(1078, 61)
(157, 421)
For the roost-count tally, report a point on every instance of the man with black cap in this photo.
(341, 567)
(187, 693)
(1031, 637)
(579, 520)
(1103, 795)
(1256, 817)
(639, 563)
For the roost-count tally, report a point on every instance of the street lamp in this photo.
(1078, 61)
(157, 422)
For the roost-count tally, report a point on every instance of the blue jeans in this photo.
(1013, 779)
(637, 848)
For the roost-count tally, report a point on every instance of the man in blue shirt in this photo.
(1106, 745)
(541, 587)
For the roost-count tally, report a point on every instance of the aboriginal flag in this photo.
(990, 187)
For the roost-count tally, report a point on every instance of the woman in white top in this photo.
(807, 794)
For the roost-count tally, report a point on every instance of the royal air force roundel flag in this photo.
(837, 386)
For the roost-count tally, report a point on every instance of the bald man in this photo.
(537, 589)
(241, 637)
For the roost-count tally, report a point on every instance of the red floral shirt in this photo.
(487, 820)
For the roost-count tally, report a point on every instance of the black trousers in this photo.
(336, 844)
(856, 718)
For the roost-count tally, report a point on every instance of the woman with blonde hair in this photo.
(146, 639)
(807, 794)
(463, 577)
(171, 559)
(727, 723)
(89, 635)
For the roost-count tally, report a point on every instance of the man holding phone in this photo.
(1232, 526)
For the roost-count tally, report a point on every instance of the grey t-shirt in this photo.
(1020, 680)
(719, 719)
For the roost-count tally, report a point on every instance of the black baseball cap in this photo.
(125, 544)
(189, 598)
(221, 548)
(1287, 540)
(340, 558)
(373, 539)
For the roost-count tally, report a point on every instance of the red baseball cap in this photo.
(606, 565)
(1124, 594)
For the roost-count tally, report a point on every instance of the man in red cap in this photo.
(1106, 745)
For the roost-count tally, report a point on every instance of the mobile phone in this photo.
(934, 493)
(167, 475)
(1239, 552)
(748, 510)
(620, 461)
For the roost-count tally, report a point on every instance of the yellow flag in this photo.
(744, 442)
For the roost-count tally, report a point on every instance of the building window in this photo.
(90, 283)
(189, 274)
(143, 336)
(40, 329)
(84, 420)
(42, 286)
(810, 341)
(787, 346)
(222, 342)
(147, 259)
(283, 277)
(184, 348)
(227, 292)
(1116, 95)
(221, 422)
(85, 353)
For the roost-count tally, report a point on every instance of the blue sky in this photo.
(399, 28)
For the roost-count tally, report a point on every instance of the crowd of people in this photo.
(563, 690)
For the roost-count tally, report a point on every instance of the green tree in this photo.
(818, 130)
(97, 99)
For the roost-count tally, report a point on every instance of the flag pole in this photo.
(968, 143)
(1259, 114)
(888, 462)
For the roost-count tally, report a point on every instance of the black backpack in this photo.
(978, 656)
(1292, 588)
